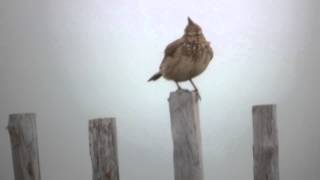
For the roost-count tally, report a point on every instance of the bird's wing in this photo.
(172, 47)
(169, 52)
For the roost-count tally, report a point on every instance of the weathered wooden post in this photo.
(185, 125)
(24, 144)
(103, 149)
(265, 143)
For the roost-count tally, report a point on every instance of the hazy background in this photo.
(70, 61)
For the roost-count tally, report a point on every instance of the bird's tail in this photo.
(155, 76)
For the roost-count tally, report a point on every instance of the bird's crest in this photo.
(192, 26)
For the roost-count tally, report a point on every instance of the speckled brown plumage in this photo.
(186, 57)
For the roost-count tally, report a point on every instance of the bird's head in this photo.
(193, 32)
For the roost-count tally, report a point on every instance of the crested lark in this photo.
(186, 57)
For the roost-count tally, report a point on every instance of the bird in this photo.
(186, 57)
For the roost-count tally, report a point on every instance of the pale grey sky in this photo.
(70, 61)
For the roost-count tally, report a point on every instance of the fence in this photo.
(186, 135)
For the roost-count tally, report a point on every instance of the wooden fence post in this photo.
(185, 126)
(103, 149)
(24, 144)
(265, 143)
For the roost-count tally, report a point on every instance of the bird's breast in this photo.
(188, 62)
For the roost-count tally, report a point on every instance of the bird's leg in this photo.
(195, 89)
(179, 88)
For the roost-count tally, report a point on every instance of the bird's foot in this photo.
(179, 88)
(197, 94)
(182, 90)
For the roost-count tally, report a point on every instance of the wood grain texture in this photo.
(185, 125)
(103, 149)
(265, 143)
(24, 144)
